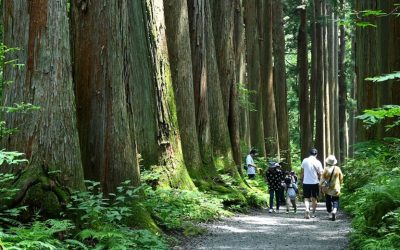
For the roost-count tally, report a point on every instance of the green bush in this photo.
(371, 195)
(172, 208)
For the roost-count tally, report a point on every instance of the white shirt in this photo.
(311, 165)
(250, 169)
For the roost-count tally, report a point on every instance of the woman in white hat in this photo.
(331, 180)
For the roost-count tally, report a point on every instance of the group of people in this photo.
(314, 177)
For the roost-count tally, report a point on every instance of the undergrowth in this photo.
(371, 195)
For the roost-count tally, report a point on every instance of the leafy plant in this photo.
(47, 234)
(244, 97)
(172, 208)
(371, 195)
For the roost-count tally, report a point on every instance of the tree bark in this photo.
(48, 137)
(102, 82)
(254, 76)
(304, 97)
(280, 83)
(240, 70)
(178, 41)
(269, 110)
(319, 101)
(168, 154)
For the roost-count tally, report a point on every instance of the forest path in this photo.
(262, 230)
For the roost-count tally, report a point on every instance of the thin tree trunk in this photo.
(280, 83)
(254, 76)
(269, 110)
(240, 69)
(319, 102)
(304, 97)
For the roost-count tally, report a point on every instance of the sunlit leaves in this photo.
(374, 116)
(383, 78)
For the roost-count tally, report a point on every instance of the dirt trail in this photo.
(262, 230)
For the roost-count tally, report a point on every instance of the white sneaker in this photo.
(270, 210)
(313, 215)
(307, 215)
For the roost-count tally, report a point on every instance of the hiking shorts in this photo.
(310, 190)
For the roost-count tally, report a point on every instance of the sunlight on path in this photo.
(261, 230)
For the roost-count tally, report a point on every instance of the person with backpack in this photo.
(311, 169)
(275, 178)
(291, 192)
(250, 166)
(331, 179)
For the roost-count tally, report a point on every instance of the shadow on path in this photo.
(263, 230)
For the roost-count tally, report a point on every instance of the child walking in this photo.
(291, 193)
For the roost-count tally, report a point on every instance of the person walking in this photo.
(291, 192)
(311, 170)
(251, 166)
(331, 180)
(275, 179)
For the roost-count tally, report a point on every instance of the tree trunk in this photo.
(304, 97)
(178, 41)
(319, 102)
(269, 110)
(280, 83)
(48, 137)
(168, 154)
(254, 76)
(223, 16)
(240, 70)
(100, 41)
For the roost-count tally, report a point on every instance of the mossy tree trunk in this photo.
(169, 158)
(223, 16)
(100, 51)
(179, 51)
(240, 70)
(48, 137)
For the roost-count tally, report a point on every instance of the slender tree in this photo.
(304, 96)
(269, 110)
(280, 82)
(254, 75)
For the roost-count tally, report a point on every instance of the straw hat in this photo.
(331, 160)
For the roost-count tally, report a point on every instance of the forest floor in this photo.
(262, 230)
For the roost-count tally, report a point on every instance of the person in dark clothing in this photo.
(275, 178)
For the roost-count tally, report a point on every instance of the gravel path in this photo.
(261, 230)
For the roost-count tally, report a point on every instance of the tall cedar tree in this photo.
(48, 137)
(100, 50)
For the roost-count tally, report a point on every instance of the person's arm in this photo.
(340, 176)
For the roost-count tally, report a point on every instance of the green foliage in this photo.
(91, 209)
(174, 208)
(374, 116)
(244, 97)
(371, 194)
(120, 237)
(40, 235)
(384, 78)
